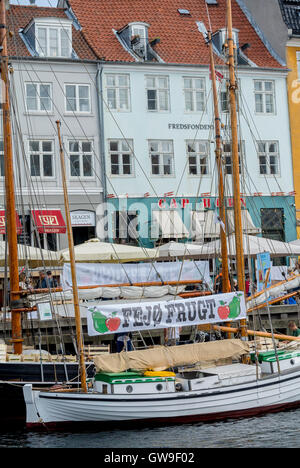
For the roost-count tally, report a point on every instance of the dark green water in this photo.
(280, 430)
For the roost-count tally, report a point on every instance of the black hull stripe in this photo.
(176, 396)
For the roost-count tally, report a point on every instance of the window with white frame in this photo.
(198, 157)
(1, 159)
(224, 97)
(38, 97)
(121, 158)
(162, 157)
(118, 92)
(227, 156)
(41, 158)
(78, 98)
(194, 94)
(268, 155)
(264, 92)
(139, 39)
(54, 41)
(157, 93)
(81, 158)
(298, 63)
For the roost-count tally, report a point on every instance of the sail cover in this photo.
(164, 357)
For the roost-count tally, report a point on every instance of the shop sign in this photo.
(174, 203)
(83, 218)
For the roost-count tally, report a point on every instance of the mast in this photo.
(225, 273)
(235, 163)
(11, 224)
(235, 156)
(73, 267)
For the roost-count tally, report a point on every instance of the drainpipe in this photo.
(99, 87)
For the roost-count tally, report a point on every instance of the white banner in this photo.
(120, 318)
(96, 274)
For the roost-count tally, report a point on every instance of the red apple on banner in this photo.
(223, 311)
(112, 323)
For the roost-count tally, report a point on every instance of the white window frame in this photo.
(227, 154)
(194, 90)
(117, 87)
(40, 108)
(41, 152)
(120, 152)
(198, 154)
(268, 155)
(135, 29)
(264, 93)
(59, 29)
(81, 154)
(77, 99)
(161, 153)
(157, 90)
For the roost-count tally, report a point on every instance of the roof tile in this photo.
(181, 42)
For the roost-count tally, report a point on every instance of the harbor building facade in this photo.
(159, 141)
(53, 77)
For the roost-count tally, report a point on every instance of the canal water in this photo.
(280, 430)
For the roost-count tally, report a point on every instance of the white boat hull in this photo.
(275, 393)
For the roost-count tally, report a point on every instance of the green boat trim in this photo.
(270, 356)
(128, 378)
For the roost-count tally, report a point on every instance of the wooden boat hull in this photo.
(275, 393)
(13, 376)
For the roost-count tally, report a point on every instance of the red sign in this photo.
(49, 221)
(3, 223)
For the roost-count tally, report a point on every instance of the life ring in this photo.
(159, 374)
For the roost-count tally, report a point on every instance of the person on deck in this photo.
(172, 336)
(42, 282)
(52, 283)
(294, 329)
(123, 341)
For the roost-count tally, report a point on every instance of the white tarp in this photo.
(96, 274)
(33, 256)
(120, 318)
(252, 246)
(94, 250)
(166, 224)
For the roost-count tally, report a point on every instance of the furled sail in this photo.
(163, 357)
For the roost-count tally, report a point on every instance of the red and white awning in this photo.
(49, 221)
(3, 223)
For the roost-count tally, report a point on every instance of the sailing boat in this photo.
(185, 383)
(14, 373)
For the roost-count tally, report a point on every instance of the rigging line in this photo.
(102, 98)
(256, 146)
(19, 169)
(127, 215)
(116, 255)
(116, 124)
(273, 202)
(197, 131)
(255, 209)
(38, 240)
(110, 112)
(56, 78)
(126, 274)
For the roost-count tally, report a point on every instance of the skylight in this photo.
(212, 2)
(184, 12)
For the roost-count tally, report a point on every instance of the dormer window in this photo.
(50, 37)
(139, 39)
(223, 37)
(135, 39)
(53, 42)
